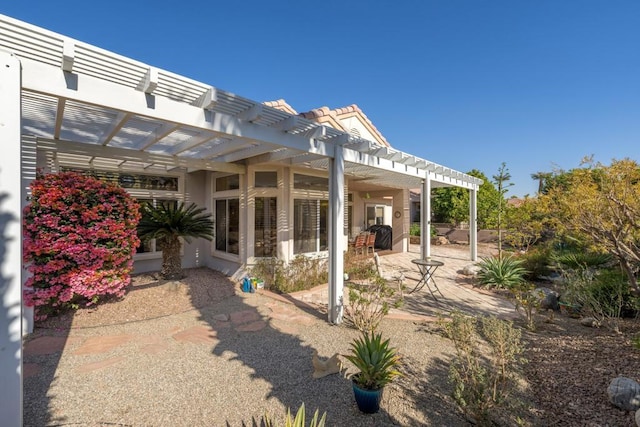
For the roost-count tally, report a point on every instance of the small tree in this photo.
(501, 181)
(79, 241)
(168, 223)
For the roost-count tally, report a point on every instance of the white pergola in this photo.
(65, 98)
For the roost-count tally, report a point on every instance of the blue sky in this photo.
(469, 84)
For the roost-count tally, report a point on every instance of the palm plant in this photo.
(168, 223)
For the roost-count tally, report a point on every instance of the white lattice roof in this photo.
(83, 101)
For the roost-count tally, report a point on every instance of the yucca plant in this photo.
(168, 223)
(299, 420)
(501, 272)
(376, 361)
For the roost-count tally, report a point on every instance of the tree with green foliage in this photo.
(601, 204)
(170, 222)
(451, 204)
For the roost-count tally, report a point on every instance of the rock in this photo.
(624, 393)
(548, 299)
(589, 322)
(638, 418)
(470, 270)
(441, 240)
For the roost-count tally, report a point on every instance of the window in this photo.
(132, 180)
(266, 180)
(231, 182)
(227, 225)
(310, 225)
(266, 227)
(308, 182)
(151, 246)
(375, 215)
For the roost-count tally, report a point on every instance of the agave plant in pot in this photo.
(377, 365)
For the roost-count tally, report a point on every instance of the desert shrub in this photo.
(602, 294)
(272, 271)
(369, 301)
(501, 272)
(484, 385)
(300, 273)
(358, 267)
(527, 302)
(79, 241)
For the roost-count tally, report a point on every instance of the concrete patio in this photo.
(456, 290)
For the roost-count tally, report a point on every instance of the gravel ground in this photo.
(236, 372)
(154, 380)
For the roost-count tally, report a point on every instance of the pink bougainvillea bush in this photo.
(79, 241)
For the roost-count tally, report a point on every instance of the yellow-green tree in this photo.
(525, 223)
(601, 204)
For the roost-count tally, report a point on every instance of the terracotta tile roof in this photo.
(332, 117)
(281, 105)
(322, 114)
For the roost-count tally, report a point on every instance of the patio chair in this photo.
(371, 243)
(360, 243)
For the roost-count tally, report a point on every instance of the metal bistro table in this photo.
(427, 269)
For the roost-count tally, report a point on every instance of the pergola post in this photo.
(336, 235)
(425, 218)
(11, 245)
(473, 223)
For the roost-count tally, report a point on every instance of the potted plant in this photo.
(377, 365)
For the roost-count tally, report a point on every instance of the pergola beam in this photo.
(127, 154)
(42, 78)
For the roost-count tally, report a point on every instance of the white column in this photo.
(336, 235)
(473, 222)
(425, 218)
(10, 243)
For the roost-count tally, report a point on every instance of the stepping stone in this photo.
(197, 335)
(30, 370)
(221, 317)
(45, 345)
(252, 327)
(244, 316)
(104, 344)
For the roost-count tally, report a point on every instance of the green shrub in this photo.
(501, 272)
(537, 263)
(358, 267)
(610, 291)
(602, 294)
(300, 274)
(414, 230)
